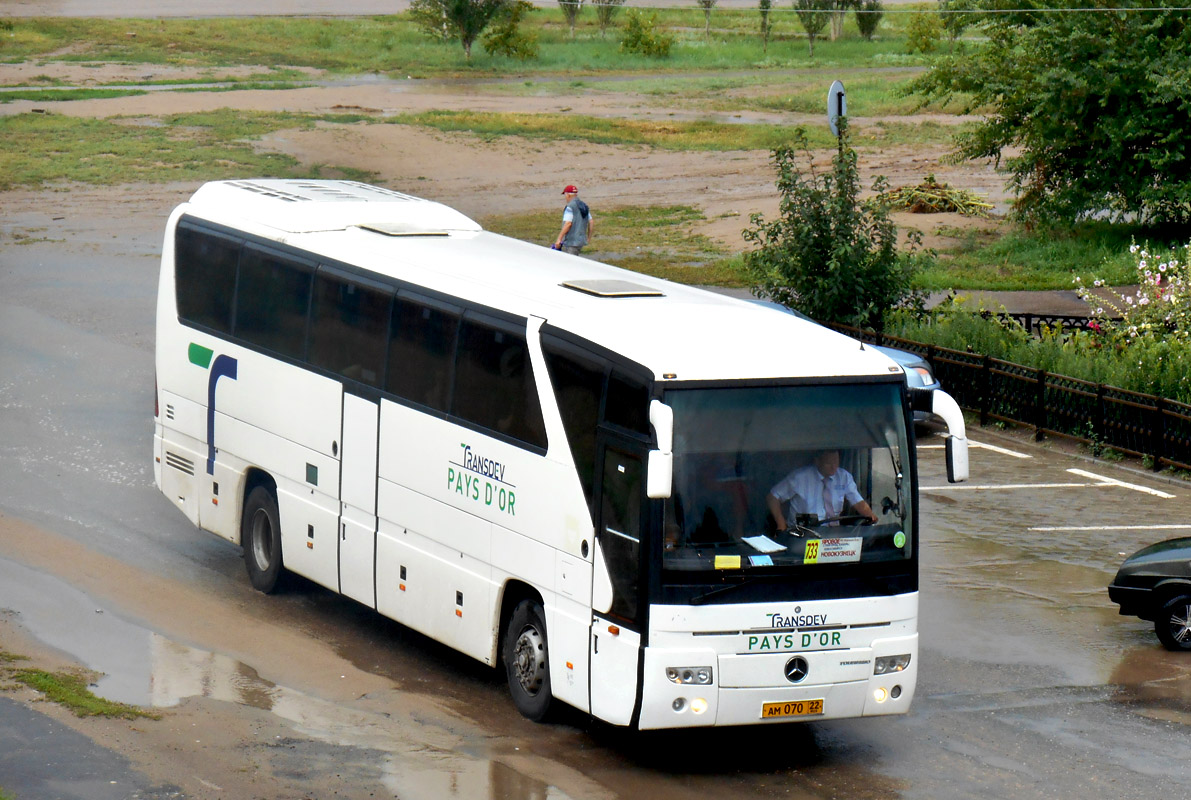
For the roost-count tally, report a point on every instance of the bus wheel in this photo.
(527, 662)
(1173, 624)
(260, 534)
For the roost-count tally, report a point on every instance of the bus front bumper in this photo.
(753, 689)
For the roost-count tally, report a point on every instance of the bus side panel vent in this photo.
(169, 410)
(179, 463)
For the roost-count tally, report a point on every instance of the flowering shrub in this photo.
(1140, 339)
(1159, 310)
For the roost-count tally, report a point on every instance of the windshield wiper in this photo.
(706, 597)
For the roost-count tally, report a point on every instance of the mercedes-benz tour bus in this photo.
(559, 467)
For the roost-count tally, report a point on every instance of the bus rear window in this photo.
(205, 277)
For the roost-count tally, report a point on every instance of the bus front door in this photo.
(357, 500)
(615, 633)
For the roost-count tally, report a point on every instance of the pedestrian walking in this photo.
(576, 223)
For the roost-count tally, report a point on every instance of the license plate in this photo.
(794, 708)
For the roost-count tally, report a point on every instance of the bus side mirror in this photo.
(659, 471)
(957, 459)
(943, 405)
(659, 476)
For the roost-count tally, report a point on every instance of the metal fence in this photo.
(1100, 416)
(1060, 324)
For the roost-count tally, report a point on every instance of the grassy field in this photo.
(728, 72)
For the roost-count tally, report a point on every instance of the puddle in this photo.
(144, 668)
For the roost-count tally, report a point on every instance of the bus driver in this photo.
(819, 488)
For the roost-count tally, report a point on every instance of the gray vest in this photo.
(577, 235)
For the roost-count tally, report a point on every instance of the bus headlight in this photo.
(886, 664)
(700, 676)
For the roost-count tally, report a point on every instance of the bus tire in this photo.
(260, 534)
(1173, 624)
(527, 661)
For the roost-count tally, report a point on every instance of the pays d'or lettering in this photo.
(480, 481)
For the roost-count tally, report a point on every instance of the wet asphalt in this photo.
(1030, 684)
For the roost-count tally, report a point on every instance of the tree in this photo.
(570, 10)
(641, 35)
(956, 16)
(828, 254)
(813, 16)
(1090, 113)
(868, 17)
(839, 12)
(605, 11)
(504, 36)
(765, 6)
(464, 20)
(706, 5)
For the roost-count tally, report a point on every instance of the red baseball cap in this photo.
(570, 190)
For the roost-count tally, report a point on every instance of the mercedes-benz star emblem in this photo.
(796, 669)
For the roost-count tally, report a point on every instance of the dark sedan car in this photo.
(1155, 584)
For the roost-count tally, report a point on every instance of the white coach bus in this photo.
(553, 465)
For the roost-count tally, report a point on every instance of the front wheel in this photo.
(260, 535)
(1173, 624)
(527, 661)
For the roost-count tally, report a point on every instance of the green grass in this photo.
(1016, 259)
(667, 135)
(45, 149)
(59, 95)
(71, 692)
(5, 795)
(394, 45)
(654, 240)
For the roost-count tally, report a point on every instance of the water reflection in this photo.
(1157, 682)
(178, 672)
(415, 759)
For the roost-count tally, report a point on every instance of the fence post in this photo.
(1040, 406)
(985, 385)
(1100, 431)
(1158, 433)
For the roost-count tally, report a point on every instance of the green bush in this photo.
(829, 254)
(641, 36)
(1145, 364)
(505, 36)
(923, 33)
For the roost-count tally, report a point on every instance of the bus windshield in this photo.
(787, 481)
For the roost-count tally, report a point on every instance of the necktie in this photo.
(827, 505)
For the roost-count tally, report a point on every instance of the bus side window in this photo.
(494, 385)
(421, 351)
(578, 385)
(349, 328)
(205, 277)
(272, 302)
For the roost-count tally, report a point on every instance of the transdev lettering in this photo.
(481, 465)
(796, 620)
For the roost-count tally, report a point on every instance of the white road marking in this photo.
(967, 487)
(1101, 480)
(1112, 528)
(1115, 482)
(983, 445)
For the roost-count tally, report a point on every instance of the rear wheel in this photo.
(527, 661)
(260, 534)
(1173, 624)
